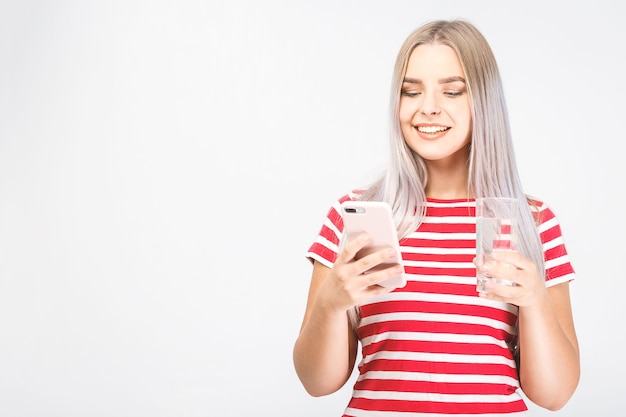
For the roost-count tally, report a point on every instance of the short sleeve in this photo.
(558, 266)
(325, 247)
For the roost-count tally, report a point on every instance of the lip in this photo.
(431, 131)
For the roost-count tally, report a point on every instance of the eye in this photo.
(454, 93)
(410, 93)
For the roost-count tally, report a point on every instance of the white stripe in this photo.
(445, 378)
(445, 398)
(450, 220)
(316, 257)
(560, 280)
(329, 224)
(441, 265)
(551, 244)
(326, 243)
(363, 413)
(445, 298)
(442, 236)
(439, 357)
(441, 279)
(436, 317)
(434, 337)
(548, 224)
(451, 204)
(561, 260)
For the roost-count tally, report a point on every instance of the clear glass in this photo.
(496, 225)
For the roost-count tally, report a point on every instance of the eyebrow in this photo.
(447, 80)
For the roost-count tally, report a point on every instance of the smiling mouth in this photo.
(431, 129)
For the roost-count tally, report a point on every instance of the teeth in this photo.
(431, 129)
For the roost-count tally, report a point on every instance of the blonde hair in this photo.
(492, 170)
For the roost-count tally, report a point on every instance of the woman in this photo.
(435, 346)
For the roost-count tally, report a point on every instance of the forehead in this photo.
(432, 61)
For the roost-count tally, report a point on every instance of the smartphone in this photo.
(375, 218)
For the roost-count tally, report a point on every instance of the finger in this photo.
(383, 272)
(500, 292)
(377, 261)
(503, 271)
(505, 288)
(376, 290)
(511, 257)
(352, 247)
(492, 296)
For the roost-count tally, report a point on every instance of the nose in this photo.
(430, 104)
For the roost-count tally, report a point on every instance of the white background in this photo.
(164, 166)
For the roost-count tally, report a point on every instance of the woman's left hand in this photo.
(522, 284)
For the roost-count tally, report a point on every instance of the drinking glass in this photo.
(496, 225)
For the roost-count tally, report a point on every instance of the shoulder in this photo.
(536, 204)
(542, 211)
(334, 212)
(353, 195)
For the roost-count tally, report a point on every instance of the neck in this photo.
(447, 181)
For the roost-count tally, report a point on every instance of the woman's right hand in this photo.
(325, 351)
(350, 281)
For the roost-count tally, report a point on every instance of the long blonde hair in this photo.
(492, 170)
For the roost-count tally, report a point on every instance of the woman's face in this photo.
(435, 115)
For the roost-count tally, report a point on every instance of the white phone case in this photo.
(375, 218)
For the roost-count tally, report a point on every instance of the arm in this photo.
(325, 350)
(549, 357)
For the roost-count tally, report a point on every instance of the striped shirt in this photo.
(435, 348)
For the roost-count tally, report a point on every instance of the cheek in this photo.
(405, 117)
(469, 125)
(465, 118)
(405, 113)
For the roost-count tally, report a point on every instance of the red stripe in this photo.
(335, 217)
(550, 234)
(447, 227)
(440, 287)
(324, 252)
(453, 368)
(545, 214)
(328, 234)
(438, 327)
(420, 270)
(431, 257)
(559, 271)
(437, 407)
(556, 252)
(403, 385)
(453, 348)
(436, 307)
(445, 211)
(443, 244)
